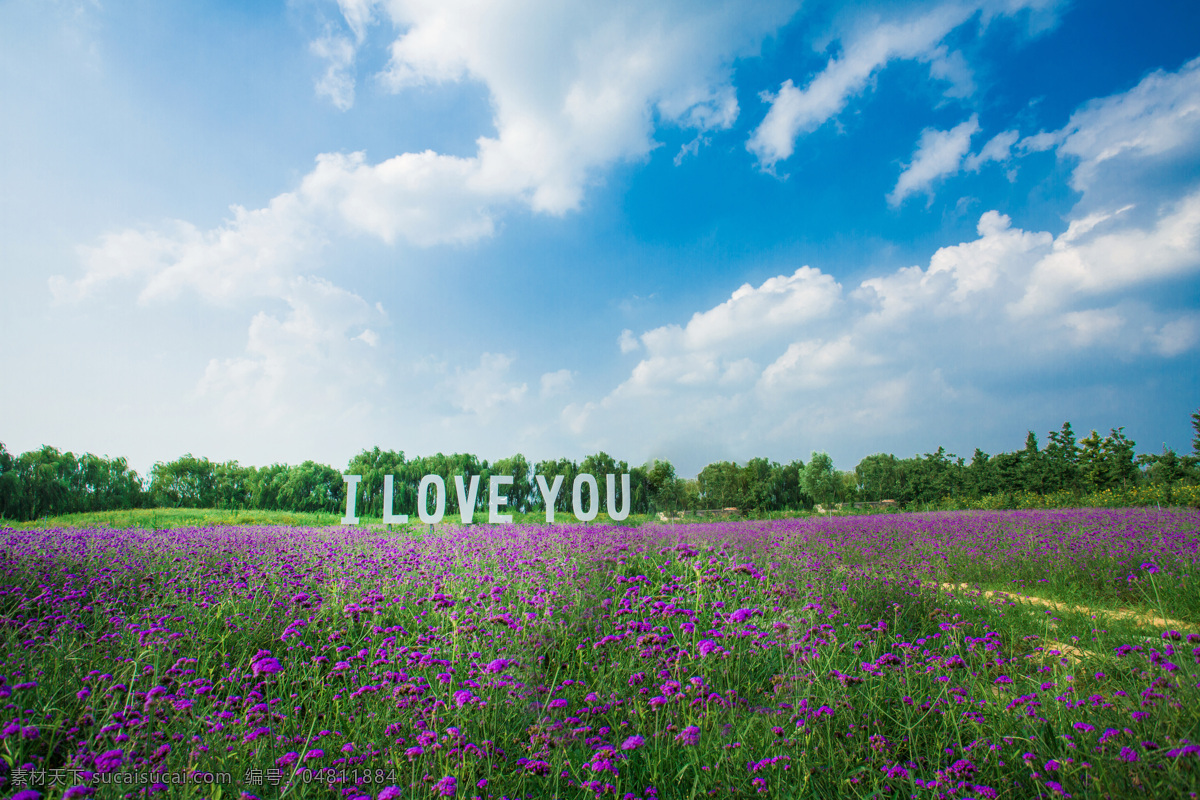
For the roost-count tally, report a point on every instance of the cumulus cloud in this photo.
(574, 89)
(338, 81)
(1159, 116)
(627, 341)
(307, 367)
(577, 88)
(1102, 257)
(998, 148)
(939, 153)
(866, 49)
(902, 347)
(557, 383)
(483, 389)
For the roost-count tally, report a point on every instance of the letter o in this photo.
(439, 499)
(577, 497)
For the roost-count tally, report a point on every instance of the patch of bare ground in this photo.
(1140, 617)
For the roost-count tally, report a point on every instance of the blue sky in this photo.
(687, 230)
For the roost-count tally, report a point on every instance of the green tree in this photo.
(1033, 470)
(1062, 462)
(519, 494)
(1107, 463)
(880, 477)
(550, 469)
(979, 477)
(821, 481)
(665, 489)
(8, 484)
(722, 485)
(313, 487)
(48, 481)
(187, 482)
(373, 465)
(1165, 469)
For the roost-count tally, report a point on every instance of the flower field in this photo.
(954, 654)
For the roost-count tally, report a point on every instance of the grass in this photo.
(814, 658)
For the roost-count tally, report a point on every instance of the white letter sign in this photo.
(389, 493)
(466, 500)
(439, 502)
(351, 498)
(577, 498)
(549, 494)
(495, 500)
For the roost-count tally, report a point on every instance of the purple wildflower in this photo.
(109, 760)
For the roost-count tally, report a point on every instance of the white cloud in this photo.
(252, 254)
(952, 67)
(998, 148)
(574, 89)
(359, 15)
(798, 359)
(577, 88)
(866, 49)
(628, 342)
(1159, 116)
(557, 383)
(484, 389)
(939, 153)
(313, 364)
(338, 81)
(1097, 257)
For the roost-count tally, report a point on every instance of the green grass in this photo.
(772, 692)
(166, 518)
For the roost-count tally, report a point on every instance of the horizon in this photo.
(688, 232)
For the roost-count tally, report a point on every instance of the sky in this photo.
(700, 231)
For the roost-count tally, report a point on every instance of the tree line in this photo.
(49, 482)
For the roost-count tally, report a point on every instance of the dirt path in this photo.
(1140, 617)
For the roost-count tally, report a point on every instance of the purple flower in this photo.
(633, 743)
(287, 758)
(109, 760)
(498, 665)
(29, 733)
(266, 666)
(78, 791)
(390, 793)
(446, 787)
(689, 735)
(27, 794)
(706, 646)
(464, 696)
(316, 752)
(1150, 567)
(741, 615)
(1127, 754)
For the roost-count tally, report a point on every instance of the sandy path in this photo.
(1141, 617)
